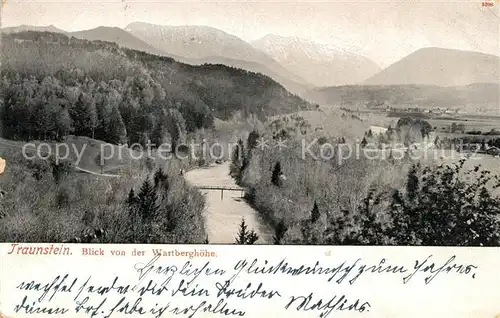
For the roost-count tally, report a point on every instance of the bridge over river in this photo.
(225, 206)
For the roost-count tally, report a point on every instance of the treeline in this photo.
(52, 85)
(484, 95)
(115, 112)
(368, 202)
(457, 141)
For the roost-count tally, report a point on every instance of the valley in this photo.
(106, 104)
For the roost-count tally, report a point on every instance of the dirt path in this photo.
(223, 217)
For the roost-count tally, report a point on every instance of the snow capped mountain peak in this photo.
(318, 63)
(287, 46)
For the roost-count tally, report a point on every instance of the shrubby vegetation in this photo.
(370, 202)
(46, 202)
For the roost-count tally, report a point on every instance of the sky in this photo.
(385, 31)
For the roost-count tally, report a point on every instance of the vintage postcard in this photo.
(250, 158)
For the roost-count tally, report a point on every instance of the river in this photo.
(223, 216)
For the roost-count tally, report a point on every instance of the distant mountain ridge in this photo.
(118, 36)
(319, 64)
(21, 28)
(441, 67)
(201, 43)
(259, 63)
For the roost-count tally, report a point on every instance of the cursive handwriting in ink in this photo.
(434, 269)
(220, 308)
(153, 288)
(342, 270)
(224, 290)
(126, 307)
(186, 270)
(145, 269)
(306, 303)
(58, 285)
(185, 290)
(89, 309)
(380, 269)
(101, 290)
(34, 309)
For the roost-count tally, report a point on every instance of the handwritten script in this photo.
(155, 285)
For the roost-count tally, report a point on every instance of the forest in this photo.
(59, 89)
(52, 85)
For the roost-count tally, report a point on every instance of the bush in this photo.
(438, 208)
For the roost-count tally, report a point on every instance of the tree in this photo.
(276, 176)
(160, 128)
(252, 140)
(235, 168)
(437, 142)
(246, 156)
(364, 142)
(84, 116)
(160, 178)
(315, 214)
(279, 232)
(116, 132)
(245, 236)
(444, 209)
(412, 183)
(61, 169)
(132, 198)
(147, 201)
(176, 127)
(453, 127)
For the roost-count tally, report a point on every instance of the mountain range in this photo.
(21, 28)
(298, 64)
(202, 44)
(441, 67)
(319, 64)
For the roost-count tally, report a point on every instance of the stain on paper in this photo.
(2, 168)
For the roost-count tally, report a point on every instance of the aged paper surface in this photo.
(206, 281)
(194, 129)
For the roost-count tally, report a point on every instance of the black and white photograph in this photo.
(257, 122)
